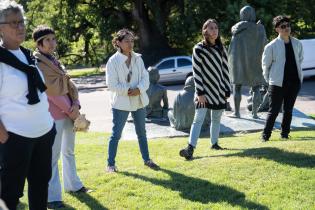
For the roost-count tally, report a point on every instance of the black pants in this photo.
(278, 95)
(29, 158)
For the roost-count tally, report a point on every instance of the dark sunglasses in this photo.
(284, 26)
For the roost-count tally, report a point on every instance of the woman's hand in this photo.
(134, 92)
(4, 136)
(74, 112)
(202, 100)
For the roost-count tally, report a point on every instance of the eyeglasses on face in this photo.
(15, 24)
(284, 26)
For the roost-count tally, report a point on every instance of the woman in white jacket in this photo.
(128, 80)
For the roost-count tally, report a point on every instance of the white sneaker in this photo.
(111, 169)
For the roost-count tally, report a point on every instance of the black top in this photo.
(34, 80)
(290, 68)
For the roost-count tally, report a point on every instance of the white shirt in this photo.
(116, 79)
(16, 114)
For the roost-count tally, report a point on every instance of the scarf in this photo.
(34, 80)
(57, 81)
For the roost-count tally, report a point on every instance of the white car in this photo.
(174, 69)
(308, 64)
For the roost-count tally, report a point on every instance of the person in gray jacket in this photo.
(281, 63)
(245, 51)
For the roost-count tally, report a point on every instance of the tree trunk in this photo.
(152, 43)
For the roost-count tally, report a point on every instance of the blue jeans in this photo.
(200, 115)
(119, 121)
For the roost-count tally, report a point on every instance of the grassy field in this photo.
(248, 175)
(74, 73)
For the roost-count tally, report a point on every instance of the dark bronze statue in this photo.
(182, 115)
(245, 52)
(157, 94)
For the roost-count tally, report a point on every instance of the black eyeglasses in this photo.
(284, 26)
(15, 24)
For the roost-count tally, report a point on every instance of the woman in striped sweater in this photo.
(212, 85)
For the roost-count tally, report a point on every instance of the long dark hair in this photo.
(218, 41)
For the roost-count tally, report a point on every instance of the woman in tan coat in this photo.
(64, 107)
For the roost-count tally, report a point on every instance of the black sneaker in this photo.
(152, 165)
(264, 138)
(285, 136)
(83, 190)
(216, 147)
(187, 153)
(55, 205)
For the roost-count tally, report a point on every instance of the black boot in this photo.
(187, 152)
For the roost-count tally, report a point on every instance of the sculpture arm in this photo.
(165, 100)
(112, 80)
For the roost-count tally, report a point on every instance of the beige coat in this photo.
(57, 81)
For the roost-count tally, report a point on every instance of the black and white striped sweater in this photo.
(211, 75)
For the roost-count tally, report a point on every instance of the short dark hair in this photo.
(40, 32)
(280, 19)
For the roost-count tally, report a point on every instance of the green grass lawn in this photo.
(249, 175)
(75, 73)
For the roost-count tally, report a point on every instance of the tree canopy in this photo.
(84, 28)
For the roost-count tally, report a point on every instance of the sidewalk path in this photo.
(95, 101)
(90, 82)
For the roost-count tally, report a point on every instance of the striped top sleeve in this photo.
(226, 74)
(197, 68)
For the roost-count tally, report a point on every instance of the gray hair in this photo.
(8, 6)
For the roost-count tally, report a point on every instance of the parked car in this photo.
(308, 64)
(174, 69)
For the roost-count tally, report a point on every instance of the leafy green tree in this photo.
(164, 27)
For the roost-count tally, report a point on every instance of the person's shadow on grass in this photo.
(299, 160)
(199, 190)
(91, 202)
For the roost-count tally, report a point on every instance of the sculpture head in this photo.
(189, 83)
(248, 13)
(154, 75)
